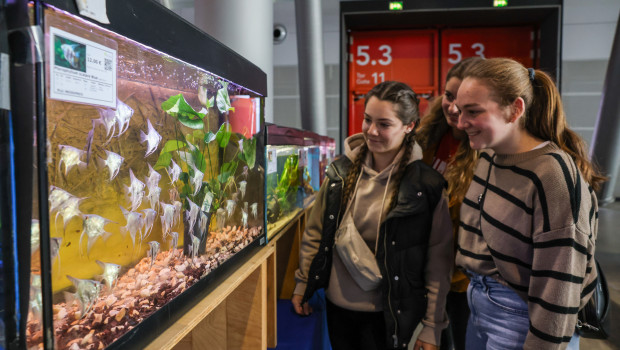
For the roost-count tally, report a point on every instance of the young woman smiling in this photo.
(383, 195)
(529, 219)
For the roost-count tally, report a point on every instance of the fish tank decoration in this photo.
(156, 174)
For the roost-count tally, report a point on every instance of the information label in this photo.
(81, 70)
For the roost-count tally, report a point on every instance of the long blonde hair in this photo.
(433, 127)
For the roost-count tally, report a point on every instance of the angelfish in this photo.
(196, 180)
(193, 247)
(93, 228)
(178, 206)
(69, 54)
(254, 209)
(68, 210)
(204, 221)
(153, 197)
(71, 157)
(153, 179)
(244, 218)
(134, 224)
(107, 118)
(220, 218)
(152, 138)
(167, 218)
(86, 293)
(135, 191)
(110, 273)
(113, 162)
(153, 250)
(192, 215)
(57, 196)
(230, 207)
(123, 116)
(174, 241)
(242, 186)
(174, 171)
(149, 220)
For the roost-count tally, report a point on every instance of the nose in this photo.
(372, 129)
(462, 123)
(452, 109)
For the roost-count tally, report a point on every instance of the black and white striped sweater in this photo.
(530, 220)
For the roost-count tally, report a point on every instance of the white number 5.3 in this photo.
(364, 58)
(453, 49)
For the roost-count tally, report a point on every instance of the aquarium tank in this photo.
(155, 175)
(284, 193)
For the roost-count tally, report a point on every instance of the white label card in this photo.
(272, 161)
(95, 9)
(81, 70)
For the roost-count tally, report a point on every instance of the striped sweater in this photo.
(530, 221)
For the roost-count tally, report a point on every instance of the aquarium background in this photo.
(147, 196)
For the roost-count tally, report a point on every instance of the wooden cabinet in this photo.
(240, 313)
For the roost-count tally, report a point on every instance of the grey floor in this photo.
(608, 255)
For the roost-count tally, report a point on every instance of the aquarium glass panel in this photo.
(310, 173)
(284, 193)
(154, 178)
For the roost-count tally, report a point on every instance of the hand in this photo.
(422, 345)
(303, 310)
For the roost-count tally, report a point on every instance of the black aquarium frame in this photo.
(148, 23)
(546, 15)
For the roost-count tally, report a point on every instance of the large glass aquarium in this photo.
(155, 178)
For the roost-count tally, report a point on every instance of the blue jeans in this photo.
(499, 317)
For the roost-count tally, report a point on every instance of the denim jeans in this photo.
(499, 317)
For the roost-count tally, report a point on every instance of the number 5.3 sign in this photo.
(456, 55)
(363, 57)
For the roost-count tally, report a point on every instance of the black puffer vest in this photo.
(402, 248)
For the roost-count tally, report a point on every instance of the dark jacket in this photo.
(402, 248)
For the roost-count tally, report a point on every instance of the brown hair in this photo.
(405, 104)
(433, 126)
(544, 116)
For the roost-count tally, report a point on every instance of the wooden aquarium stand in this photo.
(241, 313)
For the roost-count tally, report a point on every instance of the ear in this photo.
(409, 127)
(517, 109)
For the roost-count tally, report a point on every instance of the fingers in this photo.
(303, 310)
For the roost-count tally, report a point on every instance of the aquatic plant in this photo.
(202, 183)
(281, 200)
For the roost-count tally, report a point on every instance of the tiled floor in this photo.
(608, 255)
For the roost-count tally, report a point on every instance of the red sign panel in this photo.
(408, 56)
(512, 42)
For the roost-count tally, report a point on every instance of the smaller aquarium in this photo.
(283, 190)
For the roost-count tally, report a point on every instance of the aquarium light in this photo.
(122, 37)
(396, 5)
(500, 3)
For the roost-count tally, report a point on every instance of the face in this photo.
(487, 124)
(447, 101)
(383, 130)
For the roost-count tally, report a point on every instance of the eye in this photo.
(449, 96)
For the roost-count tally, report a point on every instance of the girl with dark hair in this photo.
(529, 219)
(446, 149)
(385, 214)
